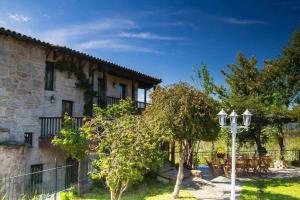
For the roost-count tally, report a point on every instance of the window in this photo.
(49, 76)
(28, 139)
(122, 90)
(36, 174)
(67, 107)
(101, 87)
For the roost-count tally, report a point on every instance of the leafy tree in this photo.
(281, 78)
(245, 89)
(203, 78)
(75, 143)
(182, 113)
(282, 75)
(125, 145)
(269, 93)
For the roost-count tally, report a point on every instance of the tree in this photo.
(245, 90)
(182, 114)
(125, 146)
(282, 75)
(281, 78)
(75, 143)
(203, 78)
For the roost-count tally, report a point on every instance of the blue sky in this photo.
(162, 38)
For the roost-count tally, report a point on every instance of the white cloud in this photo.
(113, 45)
(18, 18)
(232, 20)
(61, 36)
(148, 36)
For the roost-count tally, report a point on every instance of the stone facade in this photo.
(22, 67)
(23, 100)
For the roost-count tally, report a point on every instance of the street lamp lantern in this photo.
(233, 117)
(234, 128)
(222, 117)
(247, 118)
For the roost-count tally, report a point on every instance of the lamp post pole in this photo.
(233, 133)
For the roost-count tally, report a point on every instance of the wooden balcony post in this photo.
(145, 96)
(104, 89)
(133, 89)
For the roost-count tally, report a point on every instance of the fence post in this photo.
(55, 178)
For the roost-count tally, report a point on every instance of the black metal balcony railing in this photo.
(51, 126)
(106, 101)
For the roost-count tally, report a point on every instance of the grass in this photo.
(272, 189)
(148, 190)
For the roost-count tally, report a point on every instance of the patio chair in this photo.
(213, 167)
(264, 163)
(253, 164)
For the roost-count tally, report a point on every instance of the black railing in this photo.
(107, 101)
(51, 126)
(38, 184)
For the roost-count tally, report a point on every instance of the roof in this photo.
(26, 38)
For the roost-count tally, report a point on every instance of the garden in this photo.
(181, 123)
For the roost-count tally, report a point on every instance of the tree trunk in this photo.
(79, 178)
(112, 196)
(173, 153)
(122, 189)
(280, 139)
(281, 145)
(213, 157)
(180, 174)
(190, 154)
(258, 143)
(82, 176)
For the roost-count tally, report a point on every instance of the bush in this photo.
(295, 163)
(68, 195)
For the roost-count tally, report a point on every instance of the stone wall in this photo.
(22, 99)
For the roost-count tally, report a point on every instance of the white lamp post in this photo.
(234, 127)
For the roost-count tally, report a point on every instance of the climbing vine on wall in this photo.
(82, 83)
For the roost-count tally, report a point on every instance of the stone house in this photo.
(35, 90)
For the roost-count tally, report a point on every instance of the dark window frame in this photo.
(28, 138)
(122, 90)
(49, 76)
(62, 107)
(36, 174)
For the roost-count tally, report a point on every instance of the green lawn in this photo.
(148, 190)
(272, 189)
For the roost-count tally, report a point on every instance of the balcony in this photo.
(107, 101)
(51, 126)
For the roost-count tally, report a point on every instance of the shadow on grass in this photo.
(149, 189)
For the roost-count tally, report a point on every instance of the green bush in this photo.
(68, 195)
(295, 163)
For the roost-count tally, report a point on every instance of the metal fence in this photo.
(289, 155)
(38, 183)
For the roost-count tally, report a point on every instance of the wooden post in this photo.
(154, 87)
(145, 96)
(133, 90)
(104, 89)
